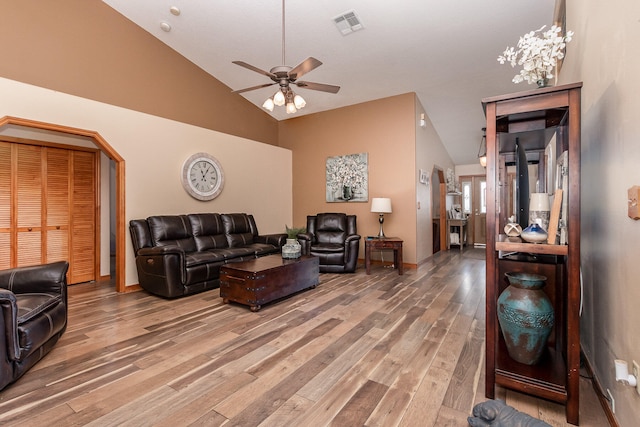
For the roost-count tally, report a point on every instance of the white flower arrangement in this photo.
(538, 52)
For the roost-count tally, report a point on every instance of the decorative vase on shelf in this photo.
(526, 318)
(539, 211)
(292, 249)
(534, 234)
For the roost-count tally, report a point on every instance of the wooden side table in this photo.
(461, 225)
(383, 243)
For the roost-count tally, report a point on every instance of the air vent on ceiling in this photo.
(348, 22)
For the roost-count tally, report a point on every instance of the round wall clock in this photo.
(202, 176)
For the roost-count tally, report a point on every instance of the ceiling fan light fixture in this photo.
(291, 108)
(278, 98)
(268, 104)
(299, 102)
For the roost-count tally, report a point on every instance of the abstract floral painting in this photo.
(348, 178)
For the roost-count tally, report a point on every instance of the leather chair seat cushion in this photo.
(194, 259)
(40, 316)
(263, 248)
(330, 258)
(204, 272)
(327, 248)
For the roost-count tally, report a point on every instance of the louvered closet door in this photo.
(57, 203)
(48, 208)
(5, 205)
(28, 205)
(83, 216)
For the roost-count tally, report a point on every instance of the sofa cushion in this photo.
(208, 231)
(172, 230)
(239, 228)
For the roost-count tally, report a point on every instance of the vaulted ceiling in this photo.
(445, 51)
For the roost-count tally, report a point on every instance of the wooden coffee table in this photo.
(265, 279)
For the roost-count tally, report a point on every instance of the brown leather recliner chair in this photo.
(33, 316)
(334, 238)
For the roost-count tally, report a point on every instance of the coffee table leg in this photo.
(225, 300)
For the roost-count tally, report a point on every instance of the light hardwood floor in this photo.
(381, 350)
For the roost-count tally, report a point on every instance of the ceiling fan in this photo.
(285, 76)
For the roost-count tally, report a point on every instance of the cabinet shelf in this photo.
(516, 244)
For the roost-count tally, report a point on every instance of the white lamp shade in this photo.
(539, 202)
(268, 104)
(278, 98)
(299, 102)
(381, 205)
(291, 108)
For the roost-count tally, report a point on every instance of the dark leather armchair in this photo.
(334, 238)
(33, 316)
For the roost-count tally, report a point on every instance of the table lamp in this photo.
(381, 205)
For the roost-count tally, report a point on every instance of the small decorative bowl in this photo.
(512, 229)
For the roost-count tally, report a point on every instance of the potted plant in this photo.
(292, 249)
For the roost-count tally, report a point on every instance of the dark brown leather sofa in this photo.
(334, 238)
(33, 316)
(179, 255)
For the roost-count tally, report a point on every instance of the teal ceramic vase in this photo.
(525, 314)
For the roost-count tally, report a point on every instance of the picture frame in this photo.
(347, 178)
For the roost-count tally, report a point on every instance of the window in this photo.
(466, 197)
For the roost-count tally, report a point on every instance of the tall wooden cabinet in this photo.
(546, 122)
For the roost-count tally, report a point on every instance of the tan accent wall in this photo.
(87, 49)
(385, 129)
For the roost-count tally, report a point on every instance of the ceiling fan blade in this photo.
(318, 86)
(247, 89)
(304, 67)
(256, 69)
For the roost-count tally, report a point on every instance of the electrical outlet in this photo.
(613, 402)
(636, 373)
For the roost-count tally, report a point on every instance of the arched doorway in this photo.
(102, 144)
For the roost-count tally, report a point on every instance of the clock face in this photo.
(202, 176)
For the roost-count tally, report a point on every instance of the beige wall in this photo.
(430, 154)
(387, 130)
(86, 48)
(604, 55)
(257, 176)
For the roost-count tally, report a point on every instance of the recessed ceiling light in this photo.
(174, 10)
(165, 26)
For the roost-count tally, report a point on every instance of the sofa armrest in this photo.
(305, 240)
(351, 248)
(162, 269)
(44, 278)
(272, 239)
(9, 318)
